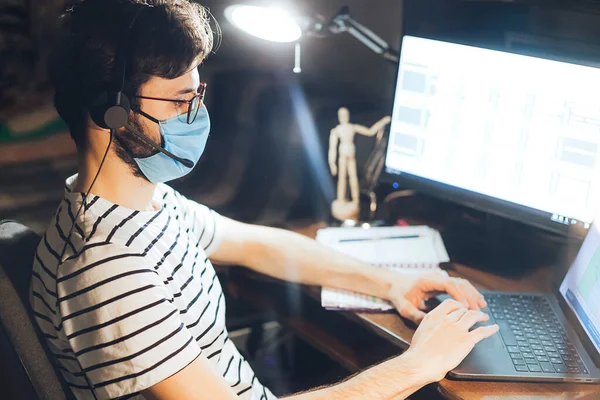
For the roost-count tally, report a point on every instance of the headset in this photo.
(110, 109)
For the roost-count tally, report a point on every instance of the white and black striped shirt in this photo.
(134, 299)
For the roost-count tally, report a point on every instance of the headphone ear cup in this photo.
(97, 109)
(117, 116)
(110, 114)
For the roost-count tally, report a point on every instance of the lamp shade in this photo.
(267, 23)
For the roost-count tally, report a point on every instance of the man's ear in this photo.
(95, 136)
(92, 128)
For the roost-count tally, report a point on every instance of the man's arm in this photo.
(197, 381)
(397, 378)
(292, 257)
(440, 343)
(393, 379)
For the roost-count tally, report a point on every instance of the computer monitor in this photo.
(505, 133)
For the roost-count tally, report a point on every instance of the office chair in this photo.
(29, 370)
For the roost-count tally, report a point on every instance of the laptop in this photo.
(544, 337)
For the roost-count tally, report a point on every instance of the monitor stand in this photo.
(486, 241)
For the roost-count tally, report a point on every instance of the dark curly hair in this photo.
(167, 40)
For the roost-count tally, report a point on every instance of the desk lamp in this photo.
(276, 24)
(279, 25)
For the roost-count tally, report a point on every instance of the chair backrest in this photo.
(32, 362)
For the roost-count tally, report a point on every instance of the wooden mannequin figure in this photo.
(345, 169)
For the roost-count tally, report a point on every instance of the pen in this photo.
(379, 238)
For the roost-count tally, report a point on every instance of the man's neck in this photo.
(116, 183)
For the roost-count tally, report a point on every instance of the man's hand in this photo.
(409, 291)
(443, 339)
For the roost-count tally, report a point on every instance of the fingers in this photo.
(468, 291)
(441, 282)
(483, 332)
(409, 311)
(460, 289)
(472, 317)
(447, 307)
(451, 287)
(471, 294)
(455, 316)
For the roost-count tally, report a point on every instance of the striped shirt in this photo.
(134, 298)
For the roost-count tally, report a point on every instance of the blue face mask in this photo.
(182, 139)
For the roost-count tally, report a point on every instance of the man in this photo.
(123, 287)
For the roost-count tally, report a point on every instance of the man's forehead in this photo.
(161, 87)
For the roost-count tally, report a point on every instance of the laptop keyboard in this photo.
(533, 335)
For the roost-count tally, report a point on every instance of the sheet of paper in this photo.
(341, 300)
(391, 251)
(415, 249)
(332, 235)
(401, 246)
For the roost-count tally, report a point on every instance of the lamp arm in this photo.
(343, 22)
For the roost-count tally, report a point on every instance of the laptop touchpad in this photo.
(494, 341)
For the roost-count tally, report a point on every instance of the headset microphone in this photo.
(111, 108)
(151, 143)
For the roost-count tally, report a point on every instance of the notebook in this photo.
(410, 249)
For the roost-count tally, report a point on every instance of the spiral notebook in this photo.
(409, 249)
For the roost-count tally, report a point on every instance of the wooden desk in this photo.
(393, 329)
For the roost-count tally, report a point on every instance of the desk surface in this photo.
(392, 327)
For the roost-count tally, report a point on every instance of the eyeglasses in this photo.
(193, 105)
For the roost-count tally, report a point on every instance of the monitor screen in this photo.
(518, 133)
(581, 286)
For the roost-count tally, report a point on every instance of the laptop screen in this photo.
(581, 286)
